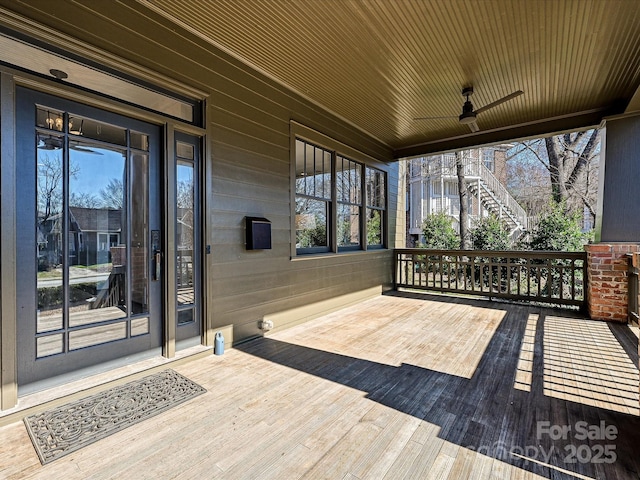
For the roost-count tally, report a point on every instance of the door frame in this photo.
(9, 79)
(186, 333)
(38, 373)
(170, 344)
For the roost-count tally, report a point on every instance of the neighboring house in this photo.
(49, 241)
(92, 232)
(433, 188)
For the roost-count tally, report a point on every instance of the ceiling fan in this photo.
(469, 115)
(49, 142)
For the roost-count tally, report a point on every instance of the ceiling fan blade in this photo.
(473, 126)
(435, 118)
(85, 150)
(502, 100)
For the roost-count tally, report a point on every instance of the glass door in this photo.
(187, 228)
(90, 279)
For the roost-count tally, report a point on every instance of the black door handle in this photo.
(157, 265)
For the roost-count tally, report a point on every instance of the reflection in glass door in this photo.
(187, 240)
(91, 288)
(92, 213)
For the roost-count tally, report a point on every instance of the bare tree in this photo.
(185, 203)
(49, 186)
(464, 203)
(528, 182)
(569, 157)
(112, 195)
(84, 200)
(571, 162)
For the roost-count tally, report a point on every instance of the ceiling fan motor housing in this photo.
(467, 115)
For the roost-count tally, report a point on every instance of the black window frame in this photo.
(364, 206)
(375, 203)
(346, 181)
(311, 194)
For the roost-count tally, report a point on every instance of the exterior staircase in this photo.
(482, 184)
(495, 198)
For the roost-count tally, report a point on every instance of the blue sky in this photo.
(95, 171)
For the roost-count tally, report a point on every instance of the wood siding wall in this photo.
(619, 190)
(248, 163)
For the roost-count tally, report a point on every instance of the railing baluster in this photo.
(465, 264)
(473, 274)
(549, 278)
(529, 274)
(406, 271)
(573, 280)
(633, 300)
(490, 276)
(456, 271)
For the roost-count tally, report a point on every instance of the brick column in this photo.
(607, 291)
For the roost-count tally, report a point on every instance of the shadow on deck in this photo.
(521, 384)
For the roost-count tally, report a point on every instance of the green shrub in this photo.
(438, 232)
(558, 231)
(312, 237)
(490, 234)
(374, 228)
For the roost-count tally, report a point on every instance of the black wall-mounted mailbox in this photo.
(258, 233)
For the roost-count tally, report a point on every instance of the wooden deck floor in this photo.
(394, 387)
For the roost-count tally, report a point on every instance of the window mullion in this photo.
(66, 217)
(363, 207)
(333, 206)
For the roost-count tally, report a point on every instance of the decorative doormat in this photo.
(65, 429)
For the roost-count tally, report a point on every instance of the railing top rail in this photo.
(494, 253)
(440, 163)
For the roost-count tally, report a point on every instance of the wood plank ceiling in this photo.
(381, 63)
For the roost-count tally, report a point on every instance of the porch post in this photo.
(607, 285)
(617, 219)
(8, 261)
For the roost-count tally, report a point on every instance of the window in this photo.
(349, 194)
(376, 206)
(340, 203)
(451, 189)
(108, 240)
(186, 230)
(488, 157)
(313, 197)
(102, 242)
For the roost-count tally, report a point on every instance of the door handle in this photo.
(157, 255)
(157, 265)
